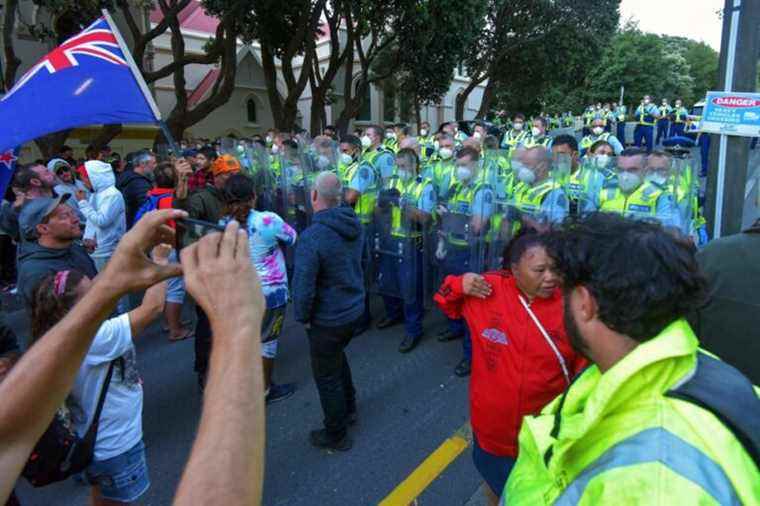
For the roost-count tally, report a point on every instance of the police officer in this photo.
(637, 197)
(517, 134)
(598, 134)
(538, 135)
(463, 222)
(440, 168)
(539, 198)
(391, 139)
(619, 112)
(348, 160)
(479, 132)
(583, 182)
(678, 117)
(405, 206)
(426, 140)
(646, 115)
(375, 154)
(662, 121)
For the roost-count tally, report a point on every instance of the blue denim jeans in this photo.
(456, 263)
(123, 478)
(403, 292)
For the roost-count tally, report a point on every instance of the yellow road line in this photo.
(430, 468)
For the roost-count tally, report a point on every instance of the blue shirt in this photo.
(364, 178)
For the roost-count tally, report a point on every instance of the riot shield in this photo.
(263, 177)
(584, 185)
(685, 189)
(400, 242)
(540, 198)
(325, 154)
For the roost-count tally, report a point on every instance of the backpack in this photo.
(150, 205)
(60, 452)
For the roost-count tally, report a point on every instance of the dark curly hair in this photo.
(524, 239)
(49, 307)
(239, 192)
(642, 277)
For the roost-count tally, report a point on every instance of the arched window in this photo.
(250, 106)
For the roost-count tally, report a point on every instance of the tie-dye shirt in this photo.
(266, 233)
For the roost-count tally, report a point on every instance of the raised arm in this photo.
(41, 380)
(226, 465)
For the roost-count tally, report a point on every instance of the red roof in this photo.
(204, 86)
(192, 17)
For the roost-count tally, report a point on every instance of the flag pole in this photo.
(141, 83)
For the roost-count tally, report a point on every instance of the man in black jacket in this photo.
(136, 183)
(328, 298)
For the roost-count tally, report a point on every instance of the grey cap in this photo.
(35, 211)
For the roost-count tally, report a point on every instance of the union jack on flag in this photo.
(96, 41)
(90, 79)
(7, 166)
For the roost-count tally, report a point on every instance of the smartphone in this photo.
(200, 227)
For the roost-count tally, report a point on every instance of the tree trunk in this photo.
(50, 144)
(461, 98)
(488, 96)
(12, 62)
(317, 113)
(106, 135)
(417, 115)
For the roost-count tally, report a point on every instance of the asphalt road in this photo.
(408, 405)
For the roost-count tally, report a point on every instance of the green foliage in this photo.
(647, 64)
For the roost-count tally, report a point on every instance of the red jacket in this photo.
(165, 200)
(514, 370)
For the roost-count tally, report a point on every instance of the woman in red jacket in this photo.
(521, 354)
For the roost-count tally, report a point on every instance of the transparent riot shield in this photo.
(685, 189)
(540, 197)
(586, 182)
(400, 242)
(325, 154)
(263, 177)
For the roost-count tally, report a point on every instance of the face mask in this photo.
(446, 153)
(269, 139)
(403, 174)
(629, 181)
(366, 141)
(602, 160)
(535, 131)
(678, 105)
(346, 158)
(526, 175)
(464, 173)
(646, 102)
(390, 135)
(423, 132)
(436, 145)
(275, 149)
(518, 126)
(476, 135)
(597, 130)
(323, 162)
(657, 178)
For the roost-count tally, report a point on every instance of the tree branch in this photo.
(12, 62)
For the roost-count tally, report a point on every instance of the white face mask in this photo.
(526, 175)
(518, 126)
(678, 104)
(446, 153)
(535, 131)
(657, 178)
(464, 173)
(424, 132)
(597, 130)
(275, 149)
(269, 139)
(628, 181)
(476, 135)
(322, 162)
(603, 160)
(646, 101)
(346, 158)
(436, 145)
(366, 141)
(390, 135)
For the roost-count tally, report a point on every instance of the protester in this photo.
(203, 174)
(68, 183)
(732, 267)
(118, 472)
(207, 205)
(328, 298)
(135, 184)
(51, 230)
(521, 354)
(266, 233)
(226, 462)
(653, 420)
(162, 197)
(104, 212)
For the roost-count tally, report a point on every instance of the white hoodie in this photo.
(104, 210)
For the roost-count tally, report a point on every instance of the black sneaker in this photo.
(448, 335)
(321, 439)
(280, 392)
(387, 322)
(408, 344)
(463, 368)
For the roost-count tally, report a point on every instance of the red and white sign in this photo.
(736, 102)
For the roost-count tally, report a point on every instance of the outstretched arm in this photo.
(226, 465)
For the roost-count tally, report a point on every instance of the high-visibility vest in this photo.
(589, 140)
(642, 202)
(512, 138)
(411, 191)
(461, 202)
(391, 145)
(644, 116)
(679, 115)
(532, 142)
(365, 205)
(528, 199)
(618, 438)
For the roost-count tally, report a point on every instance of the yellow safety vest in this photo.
(528, 199)
(391, 144)
(461, 203)
(618, 439)
(512, 140)
(642, 202)
(365, 205)
(531, 142)
(410, 191)
(589, 140)
(644, 117)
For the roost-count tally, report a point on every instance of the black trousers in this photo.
(202, 342)
(332, 374)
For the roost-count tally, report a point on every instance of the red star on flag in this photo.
(8, 159)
